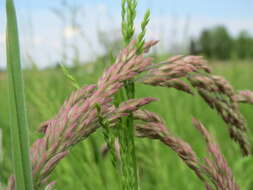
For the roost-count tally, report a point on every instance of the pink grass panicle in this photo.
(220, 95)
(78, 117)
(170, 73)
(192, 72)
(216, 166)
(153, 127)
(213, 173)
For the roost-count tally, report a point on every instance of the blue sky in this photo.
(41, 31)
(211, 8)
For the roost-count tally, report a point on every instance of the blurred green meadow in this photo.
(159, 168)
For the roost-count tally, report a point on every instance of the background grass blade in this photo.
(18, 124)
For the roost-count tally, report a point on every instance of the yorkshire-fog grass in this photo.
(70, 138)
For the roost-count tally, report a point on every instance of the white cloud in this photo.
(2, 49)
(2, 38)
(70, 32)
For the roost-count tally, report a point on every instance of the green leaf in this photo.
(18, 123)
(70, 77)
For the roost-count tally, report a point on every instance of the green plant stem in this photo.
(18, 124)
(127, 136)
(130, 91)
(128, 156)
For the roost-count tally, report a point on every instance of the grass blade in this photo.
(18, 124)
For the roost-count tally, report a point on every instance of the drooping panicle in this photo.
(220, 95)
(192, 72)
(216, 166)
(153, 127)
(214, 171)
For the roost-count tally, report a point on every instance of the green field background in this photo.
(159, 167)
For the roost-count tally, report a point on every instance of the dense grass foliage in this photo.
(159, 168)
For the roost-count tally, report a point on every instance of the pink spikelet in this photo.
(244, 96)
(170, 72)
